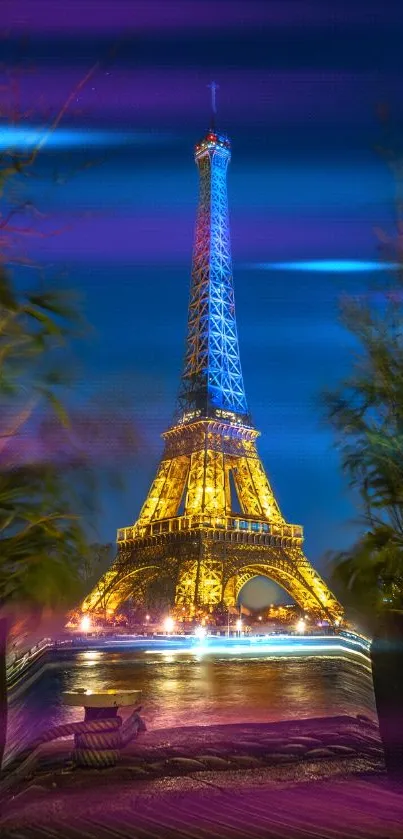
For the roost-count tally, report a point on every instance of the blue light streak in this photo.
(335, 266)
(270, 650)
(28, 137)
(276, 645)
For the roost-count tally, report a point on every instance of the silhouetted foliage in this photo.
(366, 414)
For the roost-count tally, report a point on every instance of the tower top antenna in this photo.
(213, 87)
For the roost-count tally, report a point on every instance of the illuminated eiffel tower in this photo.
(188, 532)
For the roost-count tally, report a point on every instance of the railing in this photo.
(203, 522)
(19, 659)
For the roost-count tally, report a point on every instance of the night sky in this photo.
(300, 83)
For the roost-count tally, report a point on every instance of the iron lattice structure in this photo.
(212, 376)
(188, 531)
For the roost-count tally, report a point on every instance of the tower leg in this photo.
(186, 587)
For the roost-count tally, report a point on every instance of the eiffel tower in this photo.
(188, 532)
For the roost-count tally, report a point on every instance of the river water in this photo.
(182, 688)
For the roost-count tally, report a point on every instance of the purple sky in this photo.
(89, 16)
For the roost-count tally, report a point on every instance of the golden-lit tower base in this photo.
(188, 534)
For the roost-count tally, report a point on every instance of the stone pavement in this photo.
(312, 778)
(186, 808)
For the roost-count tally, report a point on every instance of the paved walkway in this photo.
(313, 778)
(190, 809)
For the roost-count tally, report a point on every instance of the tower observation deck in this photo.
(188, 532)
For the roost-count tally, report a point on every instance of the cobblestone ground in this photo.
(321, 778)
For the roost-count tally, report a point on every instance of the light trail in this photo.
(334, 266)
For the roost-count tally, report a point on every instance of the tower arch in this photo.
(290, 582)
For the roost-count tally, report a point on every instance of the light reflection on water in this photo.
(195, 689)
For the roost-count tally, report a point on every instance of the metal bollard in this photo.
(102, 735)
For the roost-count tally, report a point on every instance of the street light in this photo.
(169, 624)
(300, 627)
(85, 623)
(239, 625)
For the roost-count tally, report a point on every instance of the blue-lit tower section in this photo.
(212, 384)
